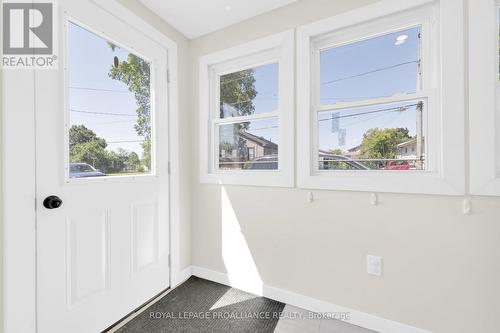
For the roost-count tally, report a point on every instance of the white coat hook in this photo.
(310, 197)
(467, 207)
(374, 199)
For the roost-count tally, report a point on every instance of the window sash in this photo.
(216, 146)
(425, 129)
(329, 43)
(238, 65)
(425, 18)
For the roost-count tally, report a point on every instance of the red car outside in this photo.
(397, 165)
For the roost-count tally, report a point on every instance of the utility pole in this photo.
(419, 162)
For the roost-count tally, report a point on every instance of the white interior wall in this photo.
(440, 267)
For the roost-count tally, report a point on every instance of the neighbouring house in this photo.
(253, 147)
(258, 146)
(408, 149)
(353, 152)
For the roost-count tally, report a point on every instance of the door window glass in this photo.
(110, 121)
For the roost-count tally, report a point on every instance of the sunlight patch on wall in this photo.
(240, 266)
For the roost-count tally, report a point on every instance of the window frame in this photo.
(278, 49)
(425, 89)
(216, 72)
(440, 90)
(484, 97)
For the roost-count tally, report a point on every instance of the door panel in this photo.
(105, 251)
(144, 235)
(87, 253)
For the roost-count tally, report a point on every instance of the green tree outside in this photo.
(238, 91)
(87, 147)
(381, 143)
(92, 153)
(136, 74)
(79, 134)
(133, 162)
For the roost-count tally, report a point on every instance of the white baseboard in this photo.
(357, 318)
(181, 277)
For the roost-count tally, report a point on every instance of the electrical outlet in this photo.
(374, 265)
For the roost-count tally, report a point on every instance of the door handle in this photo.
(52, 202)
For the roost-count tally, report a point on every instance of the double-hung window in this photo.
(370, 108)
(246, 115)
(371, 102)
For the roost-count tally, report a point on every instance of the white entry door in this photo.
(102, 172)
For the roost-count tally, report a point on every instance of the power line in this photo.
(125, 141)
(223, 82)
(104, 113)
(362, 121)
(370, 72)
(99, 89)
(111, 122)
(397, 108)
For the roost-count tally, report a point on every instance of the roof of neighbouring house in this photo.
(409, 143)
(353, 149)
(258, 139)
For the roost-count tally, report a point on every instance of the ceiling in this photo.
(195, 18)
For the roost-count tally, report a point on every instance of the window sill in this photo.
(413, 182)
(267, 179)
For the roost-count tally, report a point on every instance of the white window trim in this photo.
(484, 97)
(276, 48)
(445, 127)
